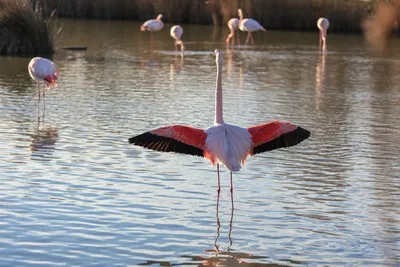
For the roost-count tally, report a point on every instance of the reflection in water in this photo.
(320, 79)
(176, 67)
(43, 140)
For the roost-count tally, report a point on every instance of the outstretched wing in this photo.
(173, 138)
(276, 134)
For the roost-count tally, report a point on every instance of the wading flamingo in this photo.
(249, 26)
(153, 25)
(233, 25)
(43, 71)
(323, 25)
(222, 143)
(176, 33)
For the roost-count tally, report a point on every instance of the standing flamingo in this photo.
(249, 26)
(153, 25)
(43, 71)
(233, 25)
(323, 25)
(176, 33)
(222, 143)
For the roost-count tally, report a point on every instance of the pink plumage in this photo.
(222, 143)
(153, 25)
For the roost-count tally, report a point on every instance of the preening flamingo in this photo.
(153, 25)
(176, 33)
(249, 26)
(222, 143)
(233, 25)
(43, 71)
(323, 25)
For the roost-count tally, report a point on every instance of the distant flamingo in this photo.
(222, 143)
(153, 25)
(43, 71)
(176, 33)
(233, 25)
(323, 25)
(249, 26)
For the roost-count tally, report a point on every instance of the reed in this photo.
(24, 29)
(345, 15)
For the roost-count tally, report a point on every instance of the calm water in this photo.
(73, 192)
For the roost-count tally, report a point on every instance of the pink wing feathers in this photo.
(276, 134)
(173, 138)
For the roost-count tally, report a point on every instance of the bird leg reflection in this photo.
(219, 228)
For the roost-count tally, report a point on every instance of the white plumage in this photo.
(153, 25)
(229, 144)
(323, 25)
(43, 70)
(176, 33)
(249, 26)
(233, 25)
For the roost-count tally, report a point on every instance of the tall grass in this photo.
(345, 15)
(24, 29)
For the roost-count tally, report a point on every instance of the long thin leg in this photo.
(232, 192)
(248, 37)
(252, 39)
(237, 38)
(219, 184)
(218, 227)
(230, 232)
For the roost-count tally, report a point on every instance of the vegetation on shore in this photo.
(345, 15)
(24, 29)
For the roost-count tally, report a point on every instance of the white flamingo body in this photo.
(176, 33)
(228, 145)
(43, 71)
(323, 25)
(222, 143)
(153, 25)
(233, 25)
(249, 26)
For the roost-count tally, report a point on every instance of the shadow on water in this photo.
(42, 140)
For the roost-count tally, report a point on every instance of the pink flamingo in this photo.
(176, 33)
(323, 25)
(233, 25)
(153, 25)
(43, 71)
(249, 26)
(222, 143)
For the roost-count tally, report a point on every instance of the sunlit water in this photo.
(74, 192)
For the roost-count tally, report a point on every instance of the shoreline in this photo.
(345, 16)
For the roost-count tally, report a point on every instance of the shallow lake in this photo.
(73, 192)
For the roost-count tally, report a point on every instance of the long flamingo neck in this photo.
(218, 96)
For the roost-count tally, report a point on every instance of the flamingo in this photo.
(222, 143)
(323, 25)
(43, 71)
(249, 26)
(176, 33)
(233, 25)
(153, 25)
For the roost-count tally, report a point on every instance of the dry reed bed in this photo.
(345, 15)
(24, 29)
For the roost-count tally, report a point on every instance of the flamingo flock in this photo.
(222, 143)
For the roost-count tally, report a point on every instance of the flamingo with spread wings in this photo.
(222, 143)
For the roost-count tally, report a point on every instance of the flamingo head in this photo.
(50, 80)
(240, 13)
(218, 57)
(159, 17)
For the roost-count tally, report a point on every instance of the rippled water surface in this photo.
(74, 192)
